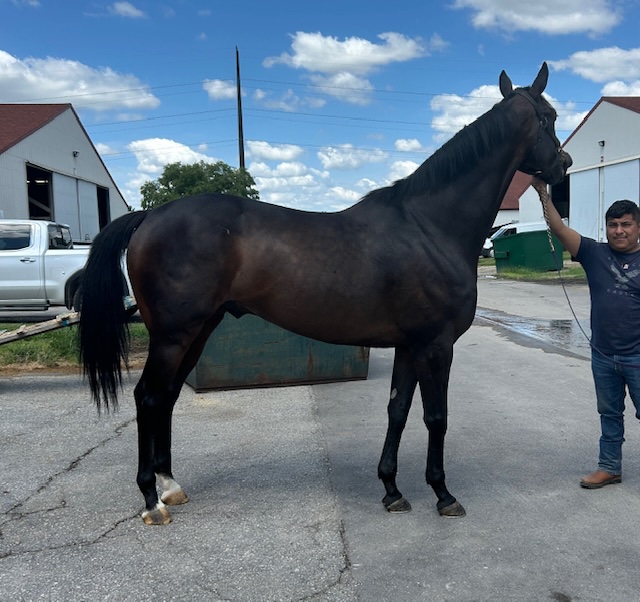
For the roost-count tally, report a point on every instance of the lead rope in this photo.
(541, 188)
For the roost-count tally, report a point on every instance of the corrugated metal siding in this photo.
(65, 203)
(89, 225)
(621, 181)
(13, 187)
(584, 209)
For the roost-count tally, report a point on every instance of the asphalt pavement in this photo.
(285, 502)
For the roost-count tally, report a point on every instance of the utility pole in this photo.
(240, 132)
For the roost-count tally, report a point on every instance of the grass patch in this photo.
(573, 272)
(57, 348)
(567, 274)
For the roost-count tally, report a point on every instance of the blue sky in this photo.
(338, 97)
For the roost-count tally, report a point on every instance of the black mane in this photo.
(470, 145)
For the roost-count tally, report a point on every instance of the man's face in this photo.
(623, 233)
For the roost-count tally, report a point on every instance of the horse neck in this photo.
(467, 206)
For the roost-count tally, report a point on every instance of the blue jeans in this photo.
(613, 376)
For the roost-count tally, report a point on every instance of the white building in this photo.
(49, 169)
(605, 149)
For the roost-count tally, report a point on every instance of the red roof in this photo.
(631, 103)
(18, 121)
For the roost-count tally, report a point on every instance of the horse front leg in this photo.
(403, 386)
(433, 365)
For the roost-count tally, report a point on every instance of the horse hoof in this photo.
(454, 510)
(175, 498)
(158, 516)
(398, 507)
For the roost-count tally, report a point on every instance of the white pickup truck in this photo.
(39, 265)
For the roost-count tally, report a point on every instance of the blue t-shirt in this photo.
(614, 285)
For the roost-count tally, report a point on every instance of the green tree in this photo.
(178, 180)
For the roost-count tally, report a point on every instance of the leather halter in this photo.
(542, 124)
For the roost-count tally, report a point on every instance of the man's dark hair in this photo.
(620, 208)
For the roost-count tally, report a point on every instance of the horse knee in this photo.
(436, 424)
(387, 469)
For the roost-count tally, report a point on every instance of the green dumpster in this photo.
(251, 352)
(528, 250)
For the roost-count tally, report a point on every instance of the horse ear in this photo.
(506, 87)
(538, 86)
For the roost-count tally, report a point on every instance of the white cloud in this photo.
(219, 89)
(408, 145)
(401, 169)
(619, 88)
(153, 154)
(344, 86)
(339, 67)
(126, 9)
(326, 54)
(289, 101)
(284, 183)
(104, 149)
(261, 150)
(62, 80)
(344, 194)
(286, 169)
(346, 156)
(550, 17)
(603, 64)
(453, 112)
(366, 184)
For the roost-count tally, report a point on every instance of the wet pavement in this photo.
(552, 313)
(571, 335)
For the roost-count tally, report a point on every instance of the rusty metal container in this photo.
(251, 352)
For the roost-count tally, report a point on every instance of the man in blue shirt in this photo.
(613, 274)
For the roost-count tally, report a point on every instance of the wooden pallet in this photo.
(24, 331)
(60, 321)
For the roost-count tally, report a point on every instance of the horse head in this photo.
(545, 159)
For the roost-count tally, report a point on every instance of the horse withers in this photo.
(386, 272)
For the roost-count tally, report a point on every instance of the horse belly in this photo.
(325, 313)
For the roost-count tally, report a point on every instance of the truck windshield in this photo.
(14, 237)
(59, 237)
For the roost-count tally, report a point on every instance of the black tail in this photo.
(103, 328)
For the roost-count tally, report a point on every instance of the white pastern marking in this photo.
(168, 484)
(158, 506)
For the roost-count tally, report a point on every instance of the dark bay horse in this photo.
(398, 269)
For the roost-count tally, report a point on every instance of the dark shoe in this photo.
(599, 478)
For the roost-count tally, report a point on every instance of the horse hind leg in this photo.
(157, 409)
(403, 385)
